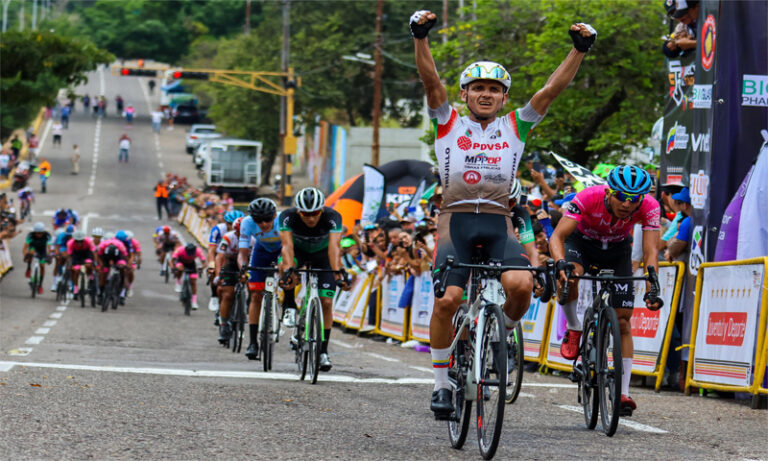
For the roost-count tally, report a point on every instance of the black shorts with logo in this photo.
(617, 256)
(458, 234)
(230, 273)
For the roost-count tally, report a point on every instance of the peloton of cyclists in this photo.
(475, 211)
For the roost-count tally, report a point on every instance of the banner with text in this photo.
(649, 328)
(421, 307)
(391, 317)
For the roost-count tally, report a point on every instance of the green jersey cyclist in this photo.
(478, 156)
(311, 236)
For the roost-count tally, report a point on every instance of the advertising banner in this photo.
(421, 307)
(649, 328)
(373, 196)
(534, 324)
(339, 158)
(392, 318)
(581, 174)
(558, 326)
(345, 300)
(357, 314)
(726, 332)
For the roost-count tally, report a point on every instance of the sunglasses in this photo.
(624, 197)
(309, 214)
(495, 72)
(260, 220)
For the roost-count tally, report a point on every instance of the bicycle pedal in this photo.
(625, 412)
(452, 416)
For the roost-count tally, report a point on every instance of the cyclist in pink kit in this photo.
(595, 232)
(111, 252)
(81, 251)
(184, 259)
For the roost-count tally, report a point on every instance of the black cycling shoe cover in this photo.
(253, 351)
(442, 404)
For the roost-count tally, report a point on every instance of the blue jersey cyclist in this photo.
(259, 246)
(478, 156)
(214, 239)
(63, 217)
(60, 252)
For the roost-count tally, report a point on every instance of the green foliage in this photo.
(34, 66)
(617, 94)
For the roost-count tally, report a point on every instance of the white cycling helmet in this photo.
(309, 199)
(38, 227)
(485, 70)
(97, 232)
(129, 234)
(516, 191)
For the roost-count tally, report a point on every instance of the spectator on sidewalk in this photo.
(157, 120)
(75, 159)
(32, 145)
(5, 163)
(16, 145)
(58, 129)
(677, 246)
(161, 200)
(65, 116)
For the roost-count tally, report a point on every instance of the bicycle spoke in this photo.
(491, 390)
(609, 371)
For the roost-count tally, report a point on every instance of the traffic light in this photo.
(179, 74)
(128, 71)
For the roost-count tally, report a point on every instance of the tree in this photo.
(34, 67)
(617, 94)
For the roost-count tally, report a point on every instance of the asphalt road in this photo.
(146, 382)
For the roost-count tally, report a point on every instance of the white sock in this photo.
(626, 375)
(509, 323)
(571, 319)
(440, 358)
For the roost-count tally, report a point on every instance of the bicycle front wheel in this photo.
(34, 281)
(610, 369)
(491, 389)
(315, 339)
(81, 290)
(515, 363)
(589, 396)
(458, 426)
(302, 353)
(266, 331)
(238, 327)
(166, 269)
(186, 296)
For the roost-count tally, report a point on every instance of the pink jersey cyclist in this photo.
(112, 251)
(186, 261)
(589, 210)
(81, 251)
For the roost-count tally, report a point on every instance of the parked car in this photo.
(186, 113)
(197, 133)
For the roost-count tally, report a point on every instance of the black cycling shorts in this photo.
(617, 256)
(79, 257)
(459, 234)
(318, 260)
(229, 274)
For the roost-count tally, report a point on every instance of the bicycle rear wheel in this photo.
(115, 291)
(302, 354)
(166, 268)
(492, 387)
(34, 281)
(610, 369)
(265, 336)
(81, 290)
(238, 326)
(588, 394)
(315, 339)
(186, 296)
(515, 363)
(458, 427)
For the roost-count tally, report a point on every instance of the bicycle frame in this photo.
(309, 286)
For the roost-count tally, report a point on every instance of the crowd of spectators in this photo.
(9, 223)
(172, 191)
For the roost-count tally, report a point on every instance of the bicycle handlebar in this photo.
(651, 277)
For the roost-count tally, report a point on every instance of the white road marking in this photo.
(20, 352)
(622, 421)
(424, 369)
(381, 357)
(217, 373)
(61, 308)
(56, 315)
(527, 395)
(42, 331)
(6, 366)
(34, 340)
(96, 136)
(49, 323)
(341, 344)
(551, 385)
(45, 135)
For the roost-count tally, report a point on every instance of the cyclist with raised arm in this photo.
(595, 231)
(227, 274)
(311, 235)
(38, 244)
(185, 260)
(478, 156)
(214, 238)
(259, 246)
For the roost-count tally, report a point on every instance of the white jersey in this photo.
(477, 166)
(228, 245)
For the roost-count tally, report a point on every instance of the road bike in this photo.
(478, 361)
(35, 274)
(25, 208)
(269, 319)
(86, 286)
(238, 316)
(186, 290)
(165, 271)
(309, 332)
(110, 295)
(65, 281)
(599, 372)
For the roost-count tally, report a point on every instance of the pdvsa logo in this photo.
(495, 146)
(481, 159)
(708, 37)
(677, 138)
(464, 143)
(472, 177)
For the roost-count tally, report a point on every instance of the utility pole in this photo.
(247, 17)
(289, 141)
(21, 17)
(377, 85)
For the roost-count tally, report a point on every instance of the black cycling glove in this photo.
(583, 44)
(420, 31)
